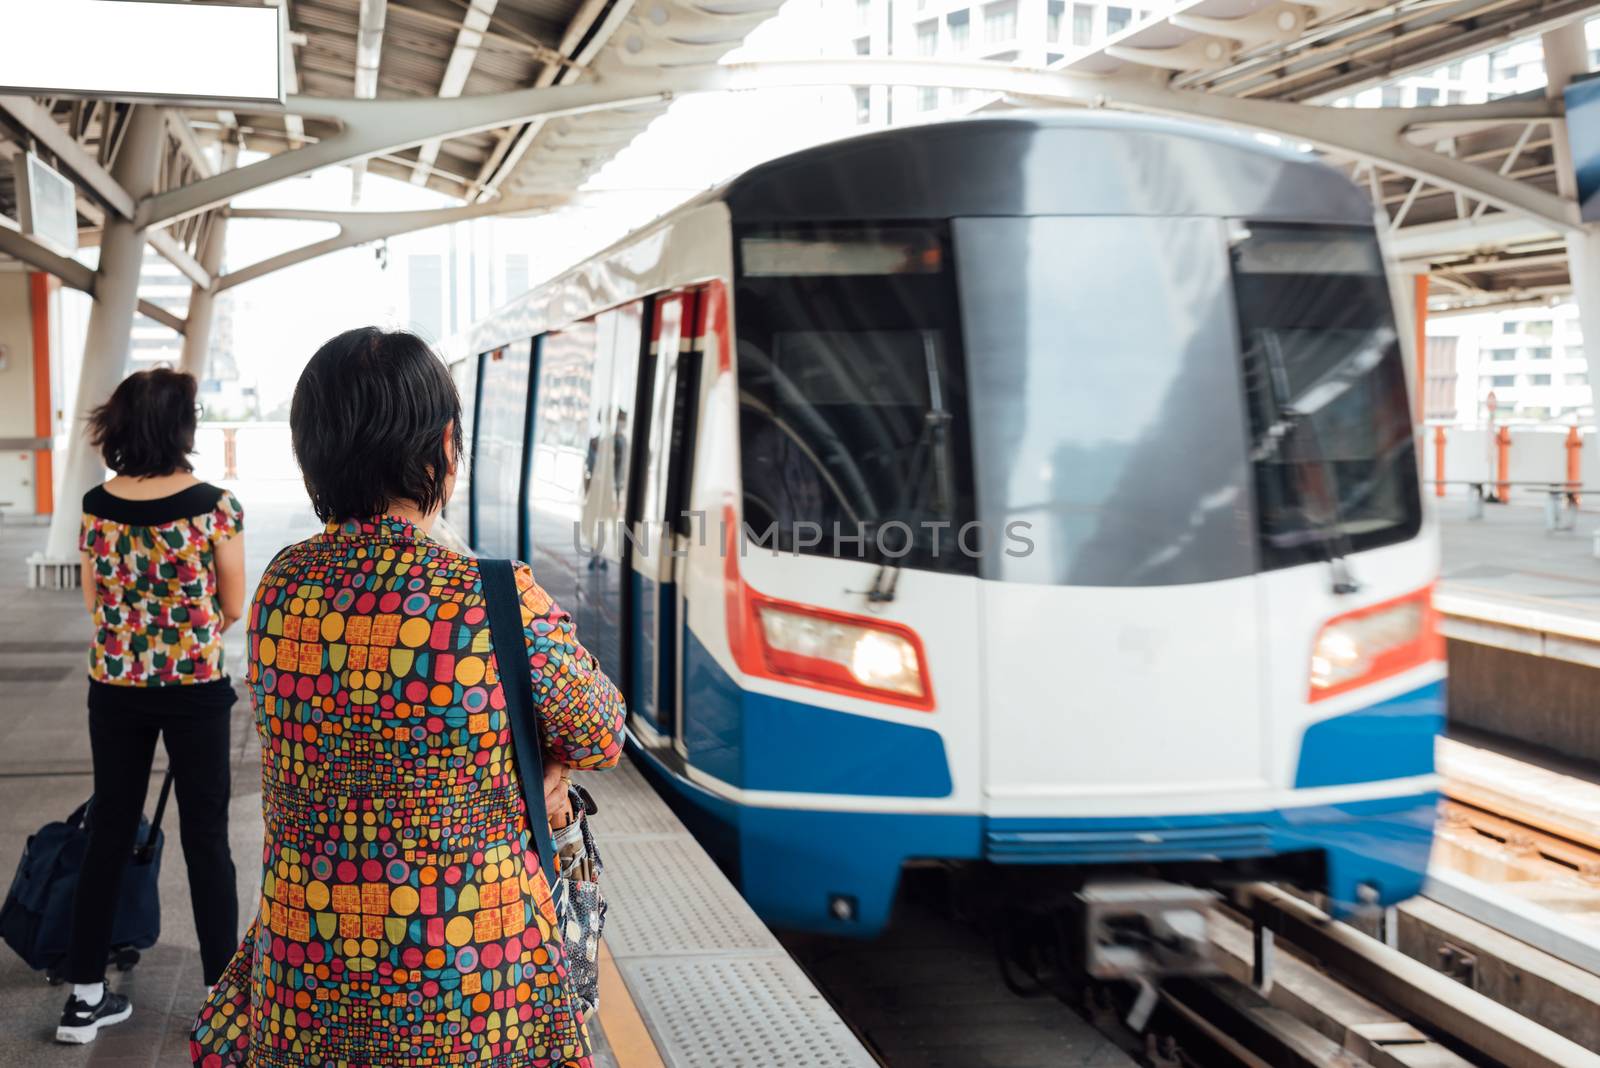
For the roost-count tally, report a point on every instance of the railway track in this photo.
(1497, 965)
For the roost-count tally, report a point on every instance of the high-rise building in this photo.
(1033, 33)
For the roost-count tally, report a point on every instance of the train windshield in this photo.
(852, 395)
(1330, 428)
(1108, 418)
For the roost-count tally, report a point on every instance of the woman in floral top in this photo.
(405, 918)
(163, 577)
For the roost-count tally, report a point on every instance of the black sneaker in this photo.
(81, 1021)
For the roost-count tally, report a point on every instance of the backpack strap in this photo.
(516, 683)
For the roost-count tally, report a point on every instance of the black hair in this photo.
(147, 426)
(368, 422)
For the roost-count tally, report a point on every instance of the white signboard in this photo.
(46, 204)
(193, 53)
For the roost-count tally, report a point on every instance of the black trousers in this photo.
(124, 722)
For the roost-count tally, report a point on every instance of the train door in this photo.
(664, 436)
(608, 453)
(558, 436)
(497, 462)
(458, 509)
(1122, 624)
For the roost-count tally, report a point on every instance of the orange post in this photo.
(1502, 440)
(1574, 461)
(1420, 295)
(39, 286)
(1438, 461)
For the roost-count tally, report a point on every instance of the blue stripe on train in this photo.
(1389, 740)
(791, 864)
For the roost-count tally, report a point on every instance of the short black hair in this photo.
(147, 426)
(368, 422)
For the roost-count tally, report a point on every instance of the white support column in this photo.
(105, 349)
(202, 298)
(1566, 55)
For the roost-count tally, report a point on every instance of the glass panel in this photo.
(555, 484)
(1103, 354)
(852, 403)
(1330, 421)
(497, 462)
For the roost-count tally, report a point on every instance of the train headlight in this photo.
(886, 661)
(1374, 643)
(840, 652)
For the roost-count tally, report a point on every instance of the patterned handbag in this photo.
(571, 863)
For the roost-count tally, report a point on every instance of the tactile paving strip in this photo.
(667, 897)
(628, 806)
(739, 1012)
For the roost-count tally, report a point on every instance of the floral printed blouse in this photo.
(405, 918)
(156, 617)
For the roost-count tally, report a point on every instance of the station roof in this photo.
(386, 49)
(1313, 53)
(1319, 52)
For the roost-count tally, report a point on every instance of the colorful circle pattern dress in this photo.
(404, 917)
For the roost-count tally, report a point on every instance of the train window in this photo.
(1330, 424)
(1106, 410)
(852, 395)
(497, 457)
(458, 508)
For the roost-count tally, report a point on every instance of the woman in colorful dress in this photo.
(405, 918)
(163, 577)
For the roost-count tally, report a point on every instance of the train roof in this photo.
(1077, 162)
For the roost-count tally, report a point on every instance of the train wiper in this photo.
(1334, 535)
(929, 450)
(1298, 425)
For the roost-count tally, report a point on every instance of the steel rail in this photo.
(1483, 1025)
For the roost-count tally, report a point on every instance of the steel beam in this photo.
(359, 227)
(369, 50)
(373, 126)
(19, 246)
(42, 126)
(174, 253)
(514, 144)
(474, 21)
(152, 310)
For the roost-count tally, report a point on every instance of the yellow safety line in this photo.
(619, 1017)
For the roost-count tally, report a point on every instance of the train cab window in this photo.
(852, 395)
(1106, 409)
(1330, 423)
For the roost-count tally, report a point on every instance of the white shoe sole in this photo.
(82, 1036)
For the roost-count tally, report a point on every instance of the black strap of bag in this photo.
(516, 682)
(143, 852)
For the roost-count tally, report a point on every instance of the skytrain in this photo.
(1026, 493)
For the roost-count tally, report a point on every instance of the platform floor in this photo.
(1509, 555)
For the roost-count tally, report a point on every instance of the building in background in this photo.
(1530, 359)
(1030, 33)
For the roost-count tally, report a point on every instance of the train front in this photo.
(1095, 429)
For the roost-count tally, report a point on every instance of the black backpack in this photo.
(36, 919)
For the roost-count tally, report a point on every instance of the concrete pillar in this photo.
(202, 301)
(105, 348)
(1566, 55)
(197, 328)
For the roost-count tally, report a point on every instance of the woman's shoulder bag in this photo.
(570, 858)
